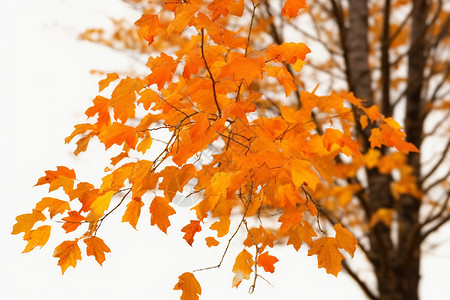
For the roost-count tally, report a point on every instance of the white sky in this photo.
(45, 87)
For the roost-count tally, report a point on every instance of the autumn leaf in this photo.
(267, 261)
(72, 221)
(97, 248)
(148, 27)
(162, 68)
(104, 83)
(133, 212)
(26, 222)
(37, 237)
(222, 226)
(189, 286)
(100, 108)
(384, 215)
(345, 239)
(118, 134)
(184, 14)
(123, 98)
(211, 242)
(302, 172)
(328, 255)
(190, 230)
(101, 204)
(160, 211)
(291, 8)
(68, 253)
(242, 267)
(55, 206)
(175, 179)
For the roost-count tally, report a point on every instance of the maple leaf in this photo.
(133, 211)
(291, 8)
(267, 262)
(149, 27)
(100, 107)
(162, 68)
(300, 233)
(261, 236)
(55, 206)
(288, 52)
(104, 83)
(242, 68)
(211, 242)
(62, 177)
(189, 286)
(72, 221)
(26, 222)
(175, 179)
(118, 134)
(160, 211)
(302, 172)
(37, 237)
(184, 14)
(68, 253)
(222, 226)
(101, 204)
(242, 267)
(328, 255)
(97, 248)
(123, 98)
(190, 230)
(345, 239)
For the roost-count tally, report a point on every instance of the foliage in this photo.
(220, 93)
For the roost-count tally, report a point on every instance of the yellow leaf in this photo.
(189, 286)
(101, 204)
(97, 248)
(302, 172)
(37, 237)
(242, 267)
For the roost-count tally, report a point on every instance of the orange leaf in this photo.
(302, 172)
(291, 8)
(55, 206)
(298, 234)
(190, 230)
(160, 211)
(133, 212)
(104, 83)
(288, 52)
(118, 133)
(345, 239)
(242, 267)
(242, 68)
(50, 176)
(189, 286)
(26, 222)
(149, 27)
(68, 253)
(267, 262)
(384, 215)
(123, 98)
(328, 255)
(37, 237)
(175, 179)
(72, 221)
(184, 14)
(211, 242)
(100, 107)
(162, 68)
(222, 226)
(97, 248)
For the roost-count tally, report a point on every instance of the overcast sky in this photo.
(45, 88)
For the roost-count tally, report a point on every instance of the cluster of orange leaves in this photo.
(202, 98)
